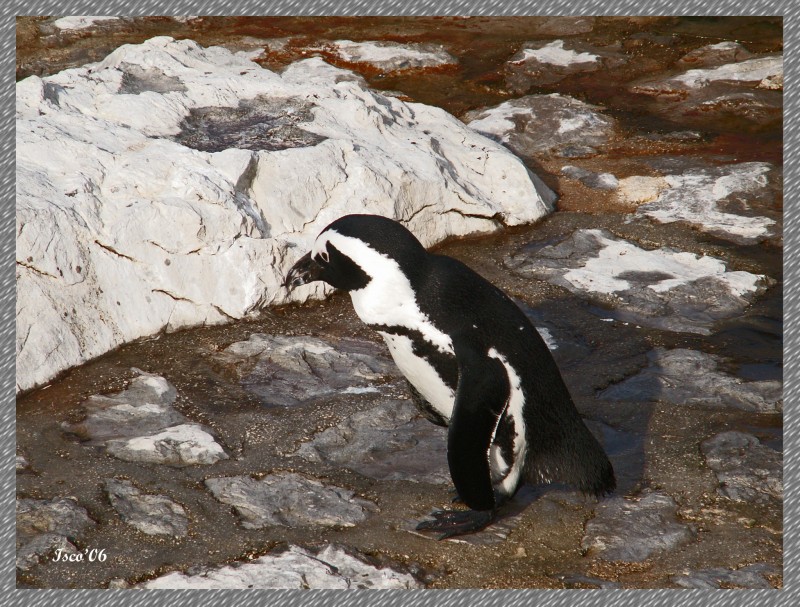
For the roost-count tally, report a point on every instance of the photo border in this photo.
(388, 598)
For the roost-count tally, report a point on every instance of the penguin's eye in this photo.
(324, 256)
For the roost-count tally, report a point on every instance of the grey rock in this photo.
(21, 463)
(662, 288)
(44, 545)
(44, 526)
(262, 123)
(632, 530)
(145, 406)
(182, 445)
(543, 124)
(752, 576)
(689, 377)
(388, 442)
(289, 500)
(748, 89)
(140, 424)
(549, 61)
(285, 371)
(386, 56)
(150, 514)
(331, 567)
(598, 181)
(712, 55)
(746, 470)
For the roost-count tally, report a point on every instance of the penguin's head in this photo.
(355, 250)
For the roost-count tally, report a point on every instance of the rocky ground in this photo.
(283, 450)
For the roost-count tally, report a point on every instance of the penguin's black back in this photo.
(560, 446)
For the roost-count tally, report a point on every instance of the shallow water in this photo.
(651, 444)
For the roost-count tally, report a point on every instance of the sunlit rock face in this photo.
(171, 185)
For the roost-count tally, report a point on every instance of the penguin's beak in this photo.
(304, 271)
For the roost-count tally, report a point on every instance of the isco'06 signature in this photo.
(90, 555)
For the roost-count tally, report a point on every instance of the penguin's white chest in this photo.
(421, 374)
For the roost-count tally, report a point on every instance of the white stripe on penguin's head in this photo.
(388, 299)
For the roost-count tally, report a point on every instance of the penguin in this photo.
(474, 361)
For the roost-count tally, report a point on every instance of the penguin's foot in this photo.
(457, 522)
(456, 497)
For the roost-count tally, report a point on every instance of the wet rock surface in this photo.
(547, 62)
(289, 500)
(678, 373)
(632, 530)
(285, 371)
(747, 471)
(752, 576)
(150, 514)
(544, 123)
(727, 80)
(388, 442)
(687, 377)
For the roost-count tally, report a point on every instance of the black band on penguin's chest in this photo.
(444, 363)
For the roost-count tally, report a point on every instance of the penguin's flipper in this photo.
(481, 398)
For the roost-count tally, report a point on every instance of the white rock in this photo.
(752, 70)
(122, 231)
(295, 568)
(79, 23)
(289, 500)
(391, 56)
(618, 258)
(662, 288)
(539, 123)
(554, 53)
(695, 196)
(181, 445)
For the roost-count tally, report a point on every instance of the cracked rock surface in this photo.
(170, 157)
(289, 500)
(294, 568)
(287, 371)
(633, 530)
(747, 471)
(150, 514)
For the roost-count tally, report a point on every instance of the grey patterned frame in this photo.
(507, 598)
